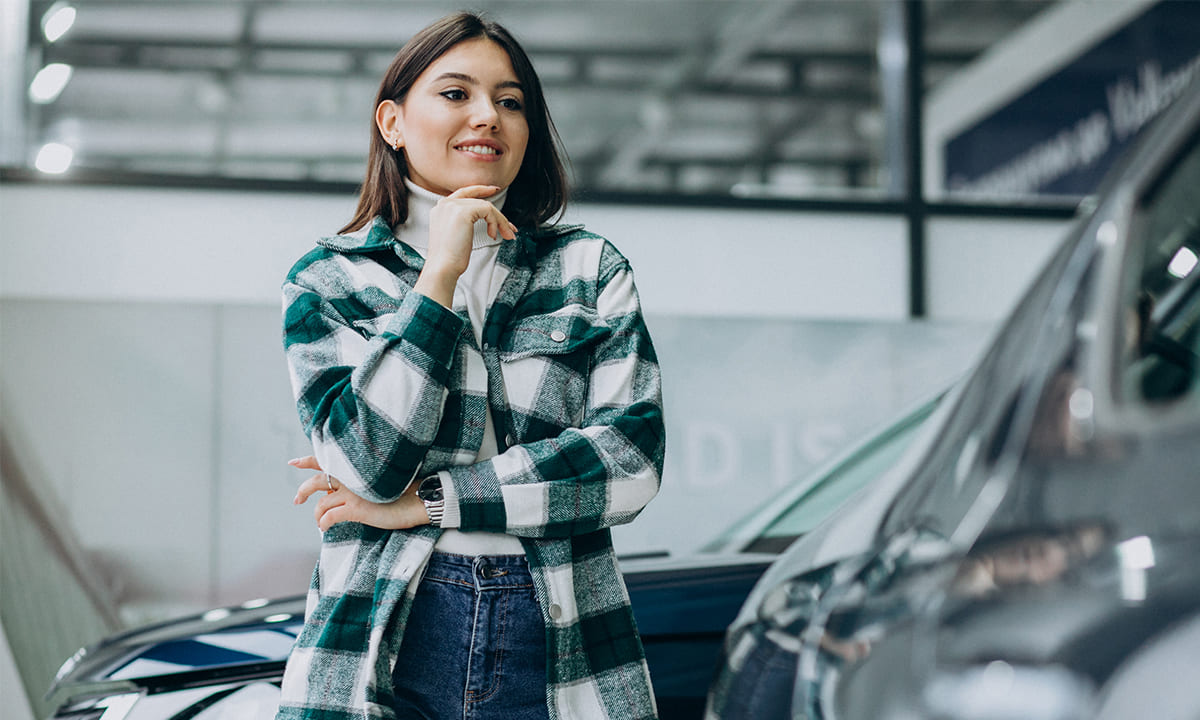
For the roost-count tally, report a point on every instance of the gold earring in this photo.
(396, 144)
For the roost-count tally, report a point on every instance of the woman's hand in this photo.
(340, 505)
(451, 230)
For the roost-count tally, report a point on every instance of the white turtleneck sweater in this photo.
(476, 289)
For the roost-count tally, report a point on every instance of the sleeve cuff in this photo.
(427, 325)
(451, 517)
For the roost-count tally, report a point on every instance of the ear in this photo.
(388, 120)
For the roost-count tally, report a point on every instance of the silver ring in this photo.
(329, 482)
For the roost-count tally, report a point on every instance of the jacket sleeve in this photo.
(595, 476)
(371, 407)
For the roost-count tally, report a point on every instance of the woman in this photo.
(482, 394)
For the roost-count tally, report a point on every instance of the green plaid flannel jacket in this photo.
(392, 386)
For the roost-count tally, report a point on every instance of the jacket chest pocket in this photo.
(547, 362)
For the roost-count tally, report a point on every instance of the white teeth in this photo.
(481, 149)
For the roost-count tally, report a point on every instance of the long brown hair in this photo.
(539, 191)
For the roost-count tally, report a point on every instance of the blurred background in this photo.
(828, 204)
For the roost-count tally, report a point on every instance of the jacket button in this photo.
(508, 440)
(558, 336)
(555, 611)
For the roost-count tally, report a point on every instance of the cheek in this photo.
(520, 146)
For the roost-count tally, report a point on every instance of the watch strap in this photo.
(430, 493)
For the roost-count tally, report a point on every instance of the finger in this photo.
(500, 226)
(308, 462)
(314, 484)
(325, 504)
(475, 191)
(506, 229)
(321, 482)
(332, 517)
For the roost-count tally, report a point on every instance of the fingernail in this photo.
(294, 461)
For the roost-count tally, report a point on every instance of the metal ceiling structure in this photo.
(662, 96)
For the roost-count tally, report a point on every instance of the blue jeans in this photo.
(474, 646)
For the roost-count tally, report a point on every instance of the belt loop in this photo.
(478, 567)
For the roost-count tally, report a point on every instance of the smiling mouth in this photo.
(479, 149)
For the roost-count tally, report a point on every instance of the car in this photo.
(1035, 559)
(231, 659)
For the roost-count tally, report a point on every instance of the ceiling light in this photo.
(54, 158)
(57, 21)
(49, 83)
(1183, 263)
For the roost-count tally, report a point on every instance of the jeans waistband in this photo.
(483, 572)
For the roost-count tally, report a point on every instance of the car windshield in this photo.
(973, 434)
(775, 525)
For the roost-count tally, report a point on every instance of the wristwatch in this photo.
(430, 492)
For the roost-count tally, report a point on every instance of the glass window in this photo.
(1161, 336)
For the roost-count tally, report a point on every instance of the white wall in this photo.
(977, 270)
(99, 243)
(62, 241)
(141, 368)
(770, 263)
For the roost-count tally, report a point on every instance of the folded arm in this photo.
(371, 407)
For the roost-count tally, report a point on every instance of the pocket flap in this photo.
(558, 333)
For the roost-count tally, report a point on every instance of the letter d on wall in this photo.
(711, 455)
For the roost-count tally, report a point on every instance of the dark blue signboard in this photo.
(1061, 136)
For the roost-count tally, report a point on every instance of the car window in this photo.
(831, 491)
(777, 522)
(1161, 292)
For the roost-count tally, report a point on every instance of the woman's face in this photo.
(463, 121)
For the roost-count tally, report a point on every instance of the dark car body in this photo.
(1037, 559)
(234, 657)
(231, 659)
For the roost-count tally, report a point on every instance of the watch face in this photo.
(430, 489)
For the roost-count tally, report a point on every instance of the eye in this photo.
(453, 94)
(512, 104)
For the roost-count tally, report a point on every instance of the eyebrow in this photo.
(469, 79)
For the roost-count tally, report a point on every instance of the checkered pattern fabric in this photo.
(392, 386)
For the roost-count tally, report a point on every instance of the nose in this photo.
(484, 114)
